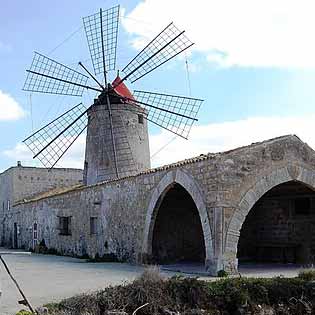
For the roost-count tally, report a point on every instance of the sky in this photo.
(253, 64)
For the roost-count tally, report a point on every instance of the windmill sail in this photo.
(165, 46)
(50, 143)
(172, 112)
(48, 76)
(101, 32)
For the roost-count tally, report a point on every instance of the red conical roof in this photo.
(121, 88)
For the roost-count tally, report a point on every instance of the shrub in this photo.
(52, 251)
(111, 257)
(190, 296)
(23, 312)
(222, 273)
(150, 274)
(307, 274)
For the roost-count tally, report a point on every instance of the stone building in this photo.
(254, 203)
(20, 182)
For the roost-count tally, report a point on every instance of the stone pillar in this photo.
(215, 263)
(234, 220)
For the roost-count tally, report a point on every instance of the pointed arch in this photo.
(291, 172)
(190, 185)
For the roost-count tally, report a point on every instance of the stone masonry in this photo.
(20, 182)
(118, 216)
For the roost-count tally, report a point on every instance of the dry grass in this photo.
(189, 296)
(307, 274)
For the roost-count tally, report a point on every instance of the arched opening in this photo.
(177, 233)
(280, 227)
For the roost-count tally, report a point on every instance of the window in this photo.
(35, 235)
(302, 206)
(93, 225)
(140, 119)
(64, 225)
(8, 205)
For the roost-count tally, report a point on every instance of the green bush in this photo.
(23, 312)
(222, 273)
(307, 274)
(105, 258)
(52, 251)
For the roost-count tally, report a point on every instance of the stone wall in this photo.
(280, 226)
(18, 183)
(223, 186)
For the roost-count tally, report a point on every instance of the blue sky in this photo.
(252, 63)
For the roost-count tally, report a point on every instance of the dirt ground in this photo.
(46, 278)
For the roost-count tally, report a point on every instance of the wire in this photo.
(163, 147)
(31, 110)
(189, 92)
(65, 40)
(188, 75)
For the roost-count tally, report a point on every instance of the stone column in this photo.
(215, 263)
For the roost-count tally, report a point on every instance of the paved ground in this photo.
(50, 278)
(247, 270)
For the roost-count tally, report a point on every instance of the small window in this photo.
(35, 235)
(64, 225)
(93, 225)
(302, 206)
(140, 119)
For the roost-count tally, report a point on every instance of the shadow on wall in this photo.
(280, 227)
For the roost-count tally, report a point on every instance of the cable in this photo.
(31, 110)
(163, 147)
(65, 40)
(188, 75)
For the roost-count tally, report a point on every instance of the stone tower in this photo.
(131, 142)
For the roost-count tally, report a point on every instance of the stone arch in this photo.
(265, 183)
(190, 185)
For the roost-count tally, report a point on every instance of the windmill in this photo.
(117, 142)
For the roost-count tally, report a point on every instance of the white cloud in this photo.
(73, 158)
(245, 32)
(19, 153)
(229, 135)
(10, 108)
(203, 139)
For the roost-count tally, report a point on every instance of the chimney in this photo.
(19, 164)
